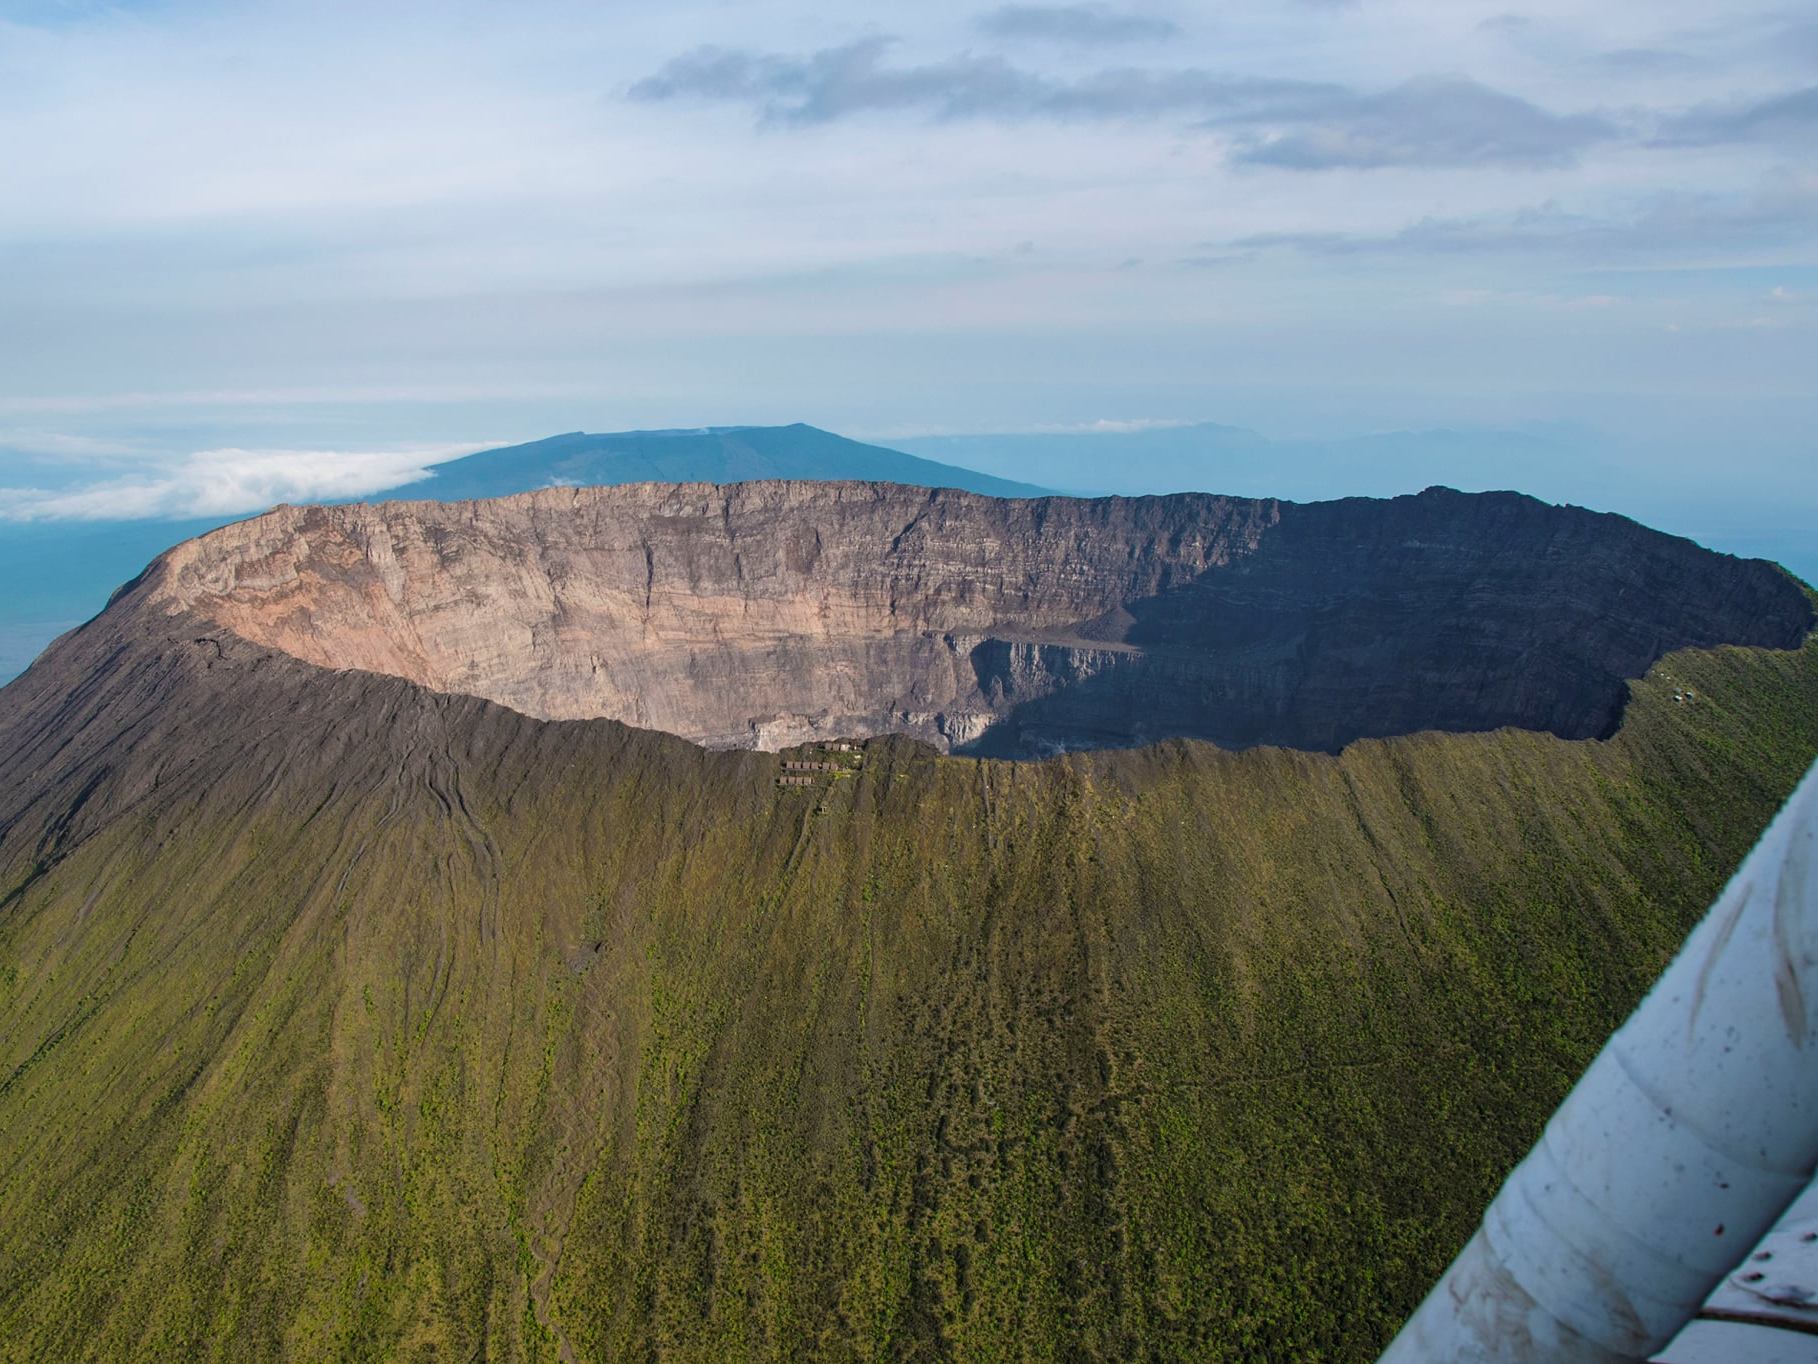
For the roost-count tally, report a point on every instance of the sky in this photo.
(253, 252)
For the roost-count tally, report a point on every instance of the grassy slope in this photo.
(448, 1035)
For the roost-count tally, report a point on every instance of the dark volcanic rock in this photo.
(764, 614)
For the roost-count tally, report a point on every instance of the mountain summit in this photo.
(709, 454)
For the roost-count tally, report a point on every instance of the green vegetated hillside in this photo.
(343, 1020)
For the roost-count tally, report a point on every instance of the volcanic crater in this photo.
(762, 615)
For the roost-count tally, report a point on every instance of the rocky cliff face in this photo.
(760, 615)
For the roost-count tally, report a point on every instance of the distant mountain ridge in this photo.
(709, 454)
(1232, 460)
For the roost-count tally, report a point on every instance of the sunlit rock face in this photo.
(765, 614)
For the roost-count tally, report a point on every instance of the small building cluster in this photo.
(809, 771)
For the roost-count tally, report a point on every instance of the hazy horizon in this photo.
(328, 227)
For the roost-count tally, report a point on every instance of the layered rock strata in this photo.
(765, 614)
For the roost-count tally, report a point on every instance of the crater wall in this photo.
(766, 614)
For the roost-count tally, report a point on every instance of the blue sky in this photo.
(267, 251)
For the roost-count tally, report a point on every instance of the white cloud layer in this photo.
(1116, 426)
(227, 482)
(231, 217)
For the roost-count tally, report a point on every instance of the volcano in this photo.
(844, 921)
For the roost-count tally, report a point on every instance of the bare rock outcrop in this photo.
(765, 614)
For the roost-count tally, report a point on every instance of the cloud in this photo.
(1791, 38)
(225, 482)
(1546, 226)
(1649, 61)
(1506, 23)
(1788, 117)
(1429, 121)
(1112, 426)
(1299, 125)
(1570, 303)
(1781, 210)
(205, 399)
(279, 226)
(839, 82)
(61, 445)
(1086, 24)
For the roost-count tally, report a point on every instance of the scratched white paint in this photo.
(1766, 1310)
(1692, 1131)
